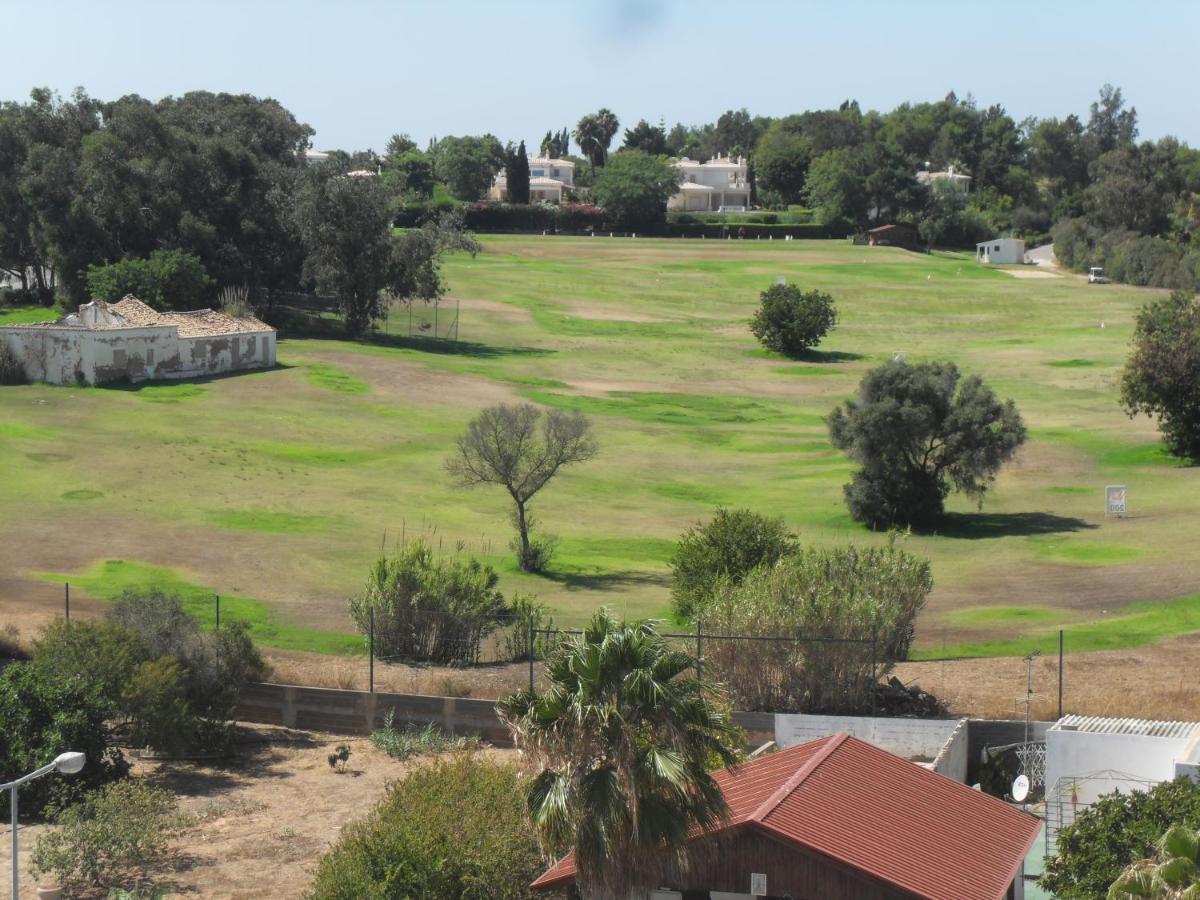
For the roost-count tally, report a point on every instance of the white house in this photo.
(956, 180)
(1001, 251)
(714, 186)
(129, 341)
(549, 180)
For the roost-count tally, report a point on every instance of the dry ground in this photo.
(262, 819)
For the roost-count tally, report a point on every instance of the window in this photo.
(119, 360)
(537, 173)
(692, 179)
(996, 249)
(554, 173)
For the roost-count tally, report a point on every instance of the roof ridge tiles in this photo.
(764, 809)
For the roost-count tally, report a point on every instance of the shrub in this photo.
(848, 594)
(527, 613)
(11, 646)
(1117, 830)
(44, 715)
(103, 654)
(12, 370)
(435, 610)
(416, 740)
(215, 665)
(108, 839)
(918, 431)
(455, 829)
(1162, 374)
(790, 320)
(159, 715)
(167, 279)
(728, 547)
(339, 759)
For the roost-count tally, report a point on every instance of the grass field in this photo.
(283, 485)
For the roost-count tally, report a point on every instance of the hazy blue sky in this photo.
(357, 71)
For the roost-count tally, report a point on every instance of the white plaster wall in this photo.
(907, 738)
(53, 355)
(1071, 754)
(135, 353)
(952, 759)
(1011, 252)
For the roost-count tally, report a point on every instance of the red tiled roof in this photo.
(877, 813)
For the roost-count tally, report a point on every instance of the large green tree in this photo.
(634, 188)
(467, 165)
(647, 138)
(345, 225)
(1162, 375)
(620, 745)
(919, 431)
(781, 162)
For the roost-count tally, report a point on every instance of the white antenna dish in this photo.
(1020, 788)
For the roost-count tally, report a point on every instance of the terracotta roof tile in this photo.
(882, 815)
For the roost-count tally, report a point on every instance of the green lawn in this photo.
(284, 485)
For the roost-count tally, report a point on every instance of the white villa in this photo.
(549, 179)
(954, 179)
(717, 185)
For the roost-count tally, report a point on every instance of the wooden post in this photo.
(1060, 673)
(218, 627)
(67, 599)
(371, 650)
(532, 638)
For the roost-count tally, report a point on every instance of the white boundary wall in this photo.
(940, 744)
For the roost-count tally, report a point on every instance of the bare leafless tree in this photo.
(521, 448)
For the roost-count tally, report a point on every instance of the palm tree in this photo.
(621, 743)
(1173, 874)
(594, 134)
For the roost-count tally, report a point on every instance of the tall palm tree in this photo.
(594, 134)
(621, 743)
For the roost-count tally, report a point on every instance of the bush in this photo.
(919, 431)
(44, 715)
(12, 370)
(729, 547)
(790, 320)
(11, 646)
(840, 594)
(1117, 830)
(103, 654)
(455, 829)
(167, 279)
(108, 839)
(433, 610)
(214, 665)
(416, 740)
(526, 613)
(159, 715)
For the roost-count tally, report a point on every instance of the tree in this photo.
(730, 546)
(504, 445)
(1172, 873)
(647, 138)
(919, 431)
(835, 187)
(1115, 831)
(1162, 375)
(166, 279)
(736, 133)
(634, 189)
(516, 171)
(790, 320)
(594, 134)
(467, 165)
(345, 224)
(556, 144)
(1110, 124)
(407, 174)
(621, 743)
(781, 162)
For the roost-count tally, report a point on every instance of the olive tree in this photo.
(920, 431)
(521, 448)
(790, 320)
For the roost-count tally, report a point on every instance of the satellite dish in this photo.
(1020, 788)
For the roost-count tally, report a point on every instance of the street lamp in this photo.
(67, 764)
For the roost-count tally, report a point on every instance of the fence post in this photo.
(218, 628)
(371, 653)
(874, 667)
(699, 647)
(1060, 673)
(67, 598)
(531, 645)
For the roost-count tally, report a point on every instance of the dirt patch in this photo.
(1030, 273)
(264, 817)
(504, 310)
(417, 383)
(609, 314)
(1153, 682)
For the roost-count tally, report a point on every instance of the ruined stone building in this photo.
(129, 341)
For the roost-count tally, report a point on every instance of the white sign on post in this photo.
(758, 884)
(1114, 500)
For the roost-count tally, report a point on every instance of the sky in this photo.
(358, 71)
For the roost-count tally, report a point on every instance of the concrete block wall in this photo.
(910, 738)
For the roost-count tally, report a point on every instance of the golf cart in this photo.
(1096, 276)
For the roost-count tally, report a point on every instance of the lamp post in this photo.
(67, 764)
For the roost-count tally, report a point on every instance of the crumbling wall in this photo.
(132, 354)
(226, 353)
(53, 355)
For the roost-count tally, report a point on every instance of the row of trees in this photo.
(175, 199)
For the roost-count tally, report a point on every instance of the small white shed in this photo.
(1001, 251)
